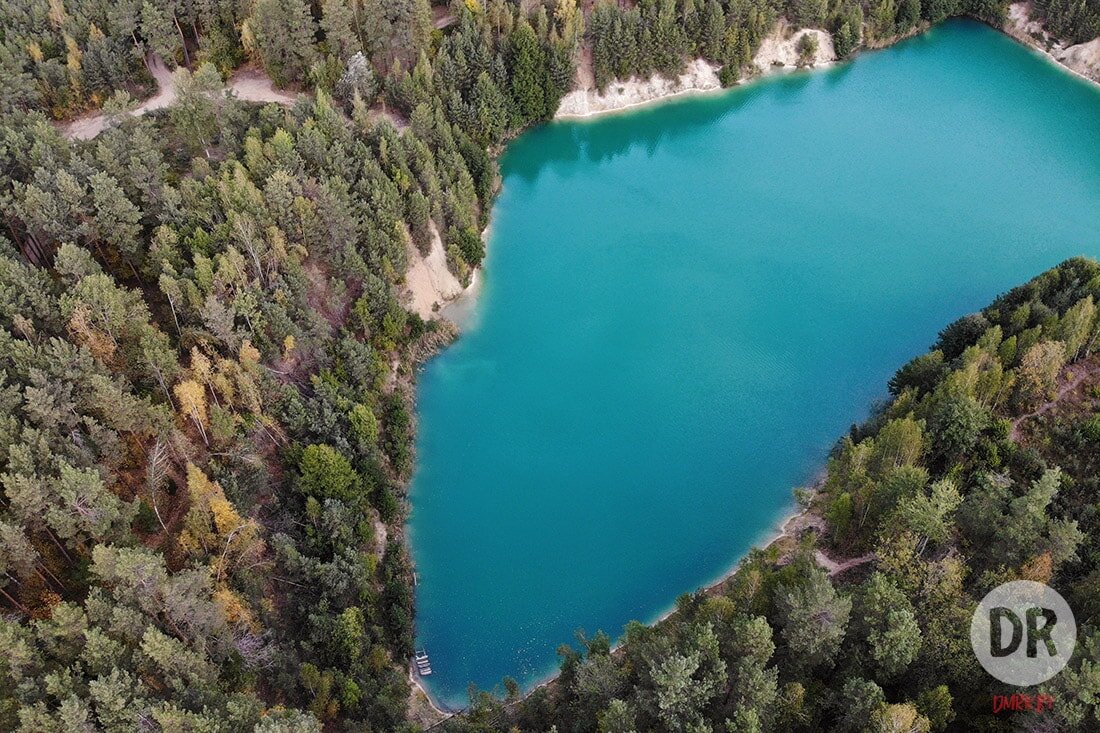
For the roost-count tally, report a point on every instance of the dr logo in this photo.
(1023, 633)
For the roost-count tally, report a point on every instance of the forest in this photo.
(494, 68)
(207, 374)
(1075, 22)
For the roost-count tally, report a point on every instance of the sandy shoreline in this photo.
(699, 77)
(1082, 59)
(645, 102)
(778, 54)
(435, 714)
(428, 279)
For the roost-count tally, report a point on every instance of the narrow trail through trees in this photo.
(835, 568)
(247, 83)
(1073, 376)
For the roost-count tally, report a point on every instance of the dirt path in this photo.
(88, 126)
(253, 85)
(442, 17)
(248, 84)
(1073, 375)
(835, 568)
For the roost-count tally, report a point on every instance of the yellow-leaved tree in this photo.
(214, 529)
(192, 398)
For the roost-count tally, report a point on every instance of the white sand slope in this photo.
(780, 47)
(430, 284)
(587, 100)
(1082, 59)
(778, 50)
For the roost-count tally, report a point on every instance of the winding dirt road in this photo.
(248, 84)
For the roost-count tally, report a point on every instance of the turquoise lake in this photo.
(685, 306)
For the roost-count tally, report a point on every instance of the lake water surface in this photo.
(684, 307)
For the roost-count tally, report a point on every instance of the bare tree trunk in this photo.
(167, 392)
(133, 269)
(15, 603)
(202, 431)
(172, 305)
(154, 468)
(38, 572)
(60, 546)
(183, 41)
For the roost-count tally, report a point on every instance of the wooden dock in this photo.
(423, 666)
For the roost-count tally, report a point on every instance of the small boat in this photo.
(423, 666)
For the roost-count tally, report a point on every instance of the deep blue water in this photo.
(685, 306)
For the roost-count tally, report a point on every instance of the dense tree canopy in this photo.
(207, 438)
(206, 374)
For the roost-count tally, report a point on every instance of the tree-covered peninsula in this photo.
(206, 370)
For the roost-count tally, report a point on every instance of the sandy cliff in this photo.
(430, 284)
(586, 101)
(778, 51)
(780, 47)
(1082, 59)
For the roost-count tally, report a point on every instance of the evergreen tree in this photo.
(284, 34)
(525, 62)
(160, 32)
(490, 110)
(339, 26)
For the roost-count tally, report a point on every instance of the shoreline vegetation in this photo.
(775, 56)
(1081, 59)
(431, 286)
(782, 539)
(800, 518)
(778, 54)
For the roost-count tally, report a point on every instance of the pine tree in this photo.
(117, 222)
(159, 30)
(525, 63)
(712, 30)
(195, 112)
(490, 110)
(341, 34)
(284, 35)
(85, 510)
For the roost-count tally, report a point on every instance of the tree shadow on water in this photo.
(564, 147)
